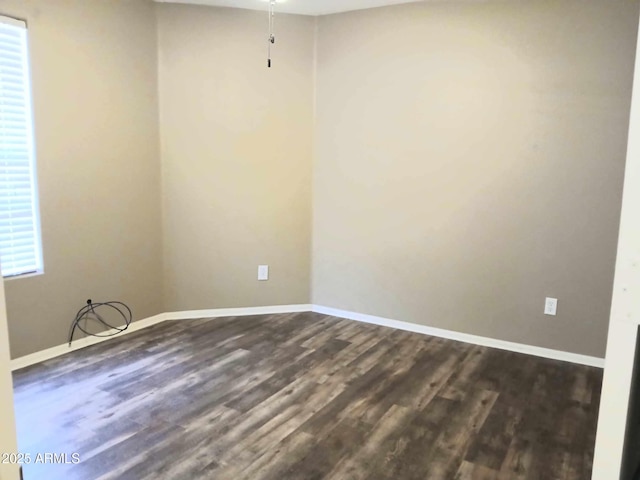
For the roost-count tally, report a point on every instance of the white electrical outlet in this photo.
(263, 272)
(550, 306)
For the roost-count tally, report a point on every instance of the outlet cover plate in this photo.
(550, 306)
(263, 273)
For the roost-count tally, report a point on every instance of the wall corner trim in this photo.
(59, 350)
(464, 337)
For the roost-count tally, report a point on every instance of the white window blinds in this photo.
(20, 248)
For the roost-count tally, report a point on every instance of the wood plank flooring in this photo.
(304, 397)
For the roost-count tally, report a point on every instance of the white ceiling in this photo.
(302, 7)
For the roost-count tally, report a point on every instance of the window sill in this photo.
(24, 275)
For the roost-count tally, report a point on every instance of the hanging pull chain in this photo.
(272, 37)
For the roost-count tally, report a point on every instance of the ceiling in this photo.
(301, 7)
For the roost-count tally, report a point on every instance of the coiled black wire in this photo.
(88, 312)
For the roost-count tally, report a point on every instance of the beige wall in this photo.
(94, 75)
(236, 157)
(469, 162)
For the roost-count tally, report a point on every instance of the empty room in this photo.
(319, 239)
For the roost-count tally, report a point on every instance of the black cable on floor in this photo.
(88, 312)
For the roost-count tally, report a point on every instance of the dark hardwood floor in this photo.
(304, 396)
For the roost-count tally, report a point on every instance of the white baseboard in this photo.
(56, 351)
(464, 337)
(53, 352)
(269, 310)
(237, 312)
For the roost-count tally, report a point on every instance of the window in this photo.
(20, 244)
